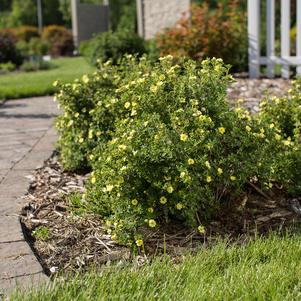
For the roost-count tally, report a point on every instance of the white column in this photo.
(285, 34)
(254, 37)
(270, 47)
(140, 17)
(298, 38)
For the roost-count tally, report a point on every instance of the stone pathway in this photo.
(27, 138)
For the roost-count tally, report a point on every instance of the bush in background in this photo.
(8, 50)
(59, 39)
(112, 46)
(220, 32)
(26, 33)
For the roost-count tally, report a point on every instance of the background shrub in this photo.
(112, 46)
(26, 33)
(60, 40)
(8, 50)
(220, 32)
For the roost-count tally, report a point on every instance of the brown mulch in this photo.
(77, 241)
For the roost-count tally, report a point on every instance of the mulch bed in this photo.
(78, 241)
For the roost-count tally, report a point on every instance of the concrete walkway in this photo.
(26, 139)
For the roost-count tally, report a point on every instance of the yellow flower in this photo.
(90, 135)
(150, 210)
(207, 164)
(190, 161)
(287, 142)
(163, 200)
(222, 130)
(93, 180)
(81, 140)
(152, 223)
(201, 229)
(134, 202)
(182, 174)
(127, 104)
(169, 189)
(114, 237)
(162, 77)
(76, 115)
(277, 137)
(183, 137)
(85, 78)
(219, 171)
(109, 188)
(233, 178)
(179, 206)
(139, 242)
(261, 135)
(91, 157)
(248, 128)
(208, 179)
(70, 123)
(272, 125)
(122, 147)
(55, 83)
(154, 88)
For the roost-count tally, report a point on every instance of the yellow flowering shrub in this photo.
(175, 149)
(283, 115)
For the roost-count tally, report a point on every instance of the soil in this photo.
(75, 241)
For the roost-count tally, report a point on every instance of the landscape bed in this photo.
(177, 198)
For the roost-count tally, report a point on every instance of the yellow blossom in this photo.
(233, 178)
(85, 78)
(190, 161)
(127, 104)
(179, 206)
(109, 188)
(154, 88)
(182, 174)
(219, 171)
(207, 164)
(163, 200)
(76, 115)
(55, 83)
(91, 157)
(150, 210)
(70, 123)
(222, 130)
(90, 135)
(272, 125)
(208, 179)
(81, 140)
(152, 223)
(248, 128)
(286, 142)
(162, 77)
(169, 189)
(201, 229)
(134, 202)
(277, 137)
(139, 242)
(183, 137)
(93, 180)
(122, 147)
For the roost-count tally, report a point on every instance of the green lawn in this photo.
(26, 84)
(265, 269)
